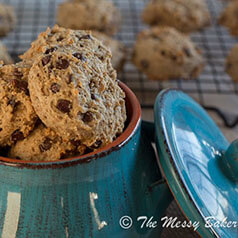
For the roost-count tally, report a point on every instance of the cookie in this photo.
(184, 15)
(164, 53)
(118, 50)
(17, 116)
(8, 19)
(100, 15)
(4, 55)
(59, 36)
(43, 144)
(229, 18)
(232, 63)
(52, 39)
(75, 92)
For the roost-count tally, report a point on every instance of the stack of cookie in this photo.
(164, 51)
(62, 99)
(100, 16)
(7, 23)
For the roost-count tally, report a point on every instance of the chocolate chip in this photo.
(62, 64)
(88, 150)
(93, 96)
(60, 38)
(17, 135)
(70, 79)
(21, 85)
(118, 134)
(79, 56)
(55, 88)
(0, 129)
(17, 73)
(144, 63)
(64, 105)
(163, 52)
(75, 143)
(11, 102)
(187, 51)
(85, 37)
(46, 60)
(97, 144)
(50, 50)
(38, 122)
(174, 57)
(50, 68)
(101, 58)
(87, 117)
(46, 145)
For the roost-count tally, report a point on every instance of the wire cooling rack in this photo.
(35, 15)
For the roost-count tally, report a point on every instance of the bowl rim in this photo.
(133, 111)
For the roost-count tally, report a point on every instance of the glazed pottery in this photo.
(86, 196)
(199, 165)
(102, 194)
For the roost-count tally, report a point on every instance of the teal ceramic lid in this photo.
(199, 165)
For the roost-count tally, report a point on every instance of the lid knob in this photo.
(230, 161)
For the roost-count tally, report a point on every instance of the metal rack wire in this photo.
(34, 16)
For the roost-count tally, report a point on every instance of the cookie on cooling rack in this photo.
(164, 53)
(8, 19)
(100, 15)
(77, 87)
(229, 18)
(4, 55)
(232, 63)
(118, 50)
(43, 144)
(184, 15)
(16, 112)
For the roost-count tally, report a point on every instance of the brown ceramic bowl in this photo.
(133, 120)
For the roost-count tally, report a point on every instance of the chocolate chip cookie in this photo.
(75, 92)
(184, 15)
(54, 38)
(164, 53)
(4, 55)
(8, 19)
(17, 116)
(229, 18)
(97, 15)
(59, 36)
(118, 50)
(232, 63)
(43, 144)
